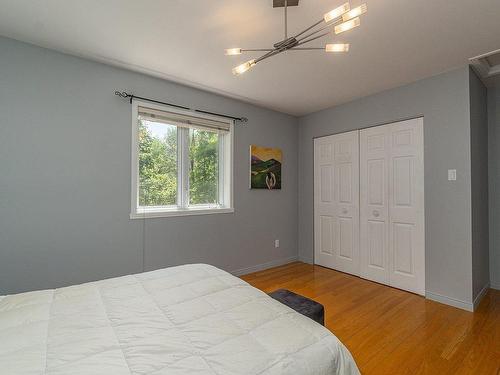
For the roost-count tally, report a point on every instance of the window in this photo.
(181, 162)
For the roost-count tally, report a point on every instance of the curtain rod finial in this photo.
(122, 94)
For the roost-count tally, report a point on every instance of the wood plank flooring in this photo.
(389, 331)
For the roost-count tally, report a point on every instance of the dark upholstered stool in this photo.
(301, 304)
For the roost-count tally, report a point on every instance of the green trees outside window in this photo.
(158, 165)
(204, 167)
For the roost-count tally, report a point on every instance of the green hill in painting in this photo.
(260, 169)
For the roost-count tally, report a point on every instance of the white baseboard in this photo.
(495, 286)
(480, 296)
(449, 301)
(264, 266)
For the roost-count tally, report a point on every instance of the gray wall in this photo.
(65, 142)
(494, 181)
(479, 183)
(444, 102)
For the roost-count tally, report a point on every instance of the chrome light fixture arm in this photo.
(311, 39)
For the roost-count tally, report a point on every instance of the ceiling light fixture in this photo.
(340, 19)
(233, 51)
(337, 47)
(358, 11)
(346, 26)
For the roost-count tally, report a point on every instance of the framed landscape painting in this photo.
(265, 167)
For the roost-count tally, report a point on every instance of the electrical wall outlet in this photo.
(276, 243)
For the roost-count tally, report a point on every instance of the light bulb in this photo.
(354, 12)
(355, 22)
(337, 12)
(233, 51)
(240, 69)
(337, 47)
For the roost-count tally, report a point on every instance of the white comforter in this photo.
(193, 319)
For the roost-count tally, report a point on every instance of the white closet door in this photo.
(374, 197)
(336, 201)
(406, 206)
(392, 205)
(324, 203)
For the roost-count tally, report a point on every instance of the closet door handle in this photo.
(376, 213)
(344, 211)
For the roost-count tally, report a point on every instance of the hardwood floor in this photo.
(389, 331)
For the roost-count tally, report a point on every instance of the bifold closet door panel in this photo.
(374, 197)
(324, 203)
(406, 206)
(336, 202)
(346, 193)
(392, 239)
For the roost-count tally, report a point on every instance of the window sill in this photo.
(186, 212)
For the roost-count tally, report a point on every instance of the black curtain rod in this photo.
(124, 94)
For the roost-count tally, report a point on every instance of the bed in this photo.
(192, 319)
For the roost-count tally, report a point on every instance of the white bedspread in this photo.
(192, 319)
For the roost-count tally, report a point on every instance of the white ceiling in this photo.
(399, 41)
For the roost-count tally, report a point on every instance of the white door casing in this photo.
(336, 201)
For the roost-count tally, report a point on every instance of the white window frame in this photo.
(182, 208)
